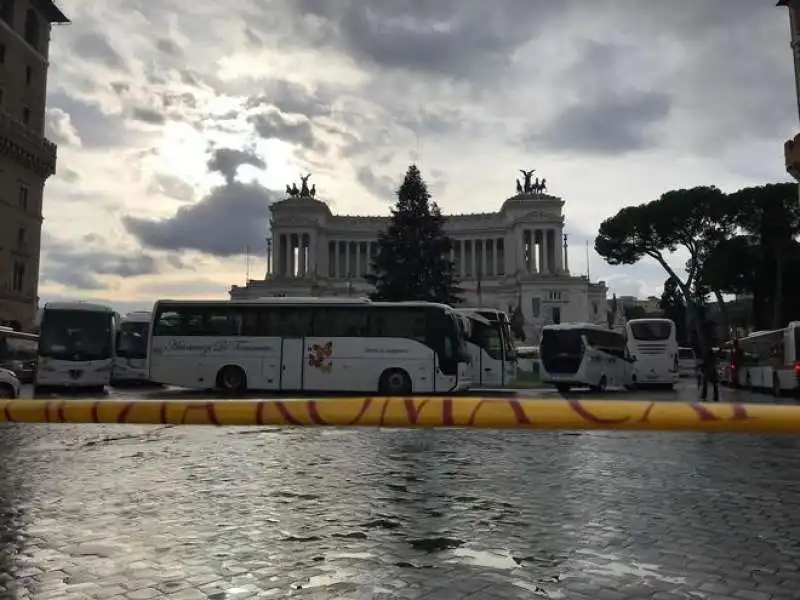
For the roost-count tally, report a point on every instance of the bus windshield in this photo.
(75, 335)
(651, 331)
(487, 336)
(132, 340)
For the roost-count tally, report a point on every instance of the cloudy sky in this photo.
(180, 121)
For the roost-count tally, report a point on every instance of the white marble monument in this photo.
(515, 257)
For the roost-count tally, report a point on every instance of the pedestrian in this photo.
(710, 375)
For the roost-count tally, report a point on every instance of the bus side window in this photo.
(377, 323)
(341, 321)
(221, 321)
(294, 321)
(249, 317)
(168, 322)
(192, 322)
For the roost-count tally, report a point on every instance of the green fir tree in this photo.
(413, 259)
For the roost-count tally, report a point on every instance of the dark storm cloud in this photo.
(231, 218)
(272, 124)
(77, 263)
(446, 37)
(293, 98)
(608, 125)
(381, 186)
(171, 186)
(95, 128)
(169, 47)
(148, 115)
(224, 223)
(227, 161)
(95, 47)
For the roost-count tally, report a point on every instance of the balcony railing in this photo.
(33, 147)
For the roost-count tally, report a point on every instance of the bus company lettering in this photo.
(370, 350)
(215, 347)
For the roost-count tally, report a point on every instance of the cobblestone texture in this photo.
(190, 513)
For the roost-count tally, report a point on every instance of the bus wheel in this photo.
(394, 382)
(776, 386)
(232, 379)
(6, 391)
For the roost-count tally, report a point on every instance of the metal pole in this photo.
(790, 150)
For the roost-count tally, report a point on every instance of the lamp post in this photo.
(791, 148)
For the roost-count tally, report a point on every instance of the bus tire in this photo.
(776, 386)
(232, 380)
(394, 382)
(7, 392)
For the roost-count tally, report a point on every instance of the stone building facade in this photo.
(27, 158)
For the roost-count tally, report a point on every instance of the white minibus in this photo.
(584, 355)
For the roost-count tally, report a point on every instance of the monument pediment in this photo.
(539, 216)
(292, 220)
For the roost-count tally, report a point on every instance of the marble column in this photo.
(545, 253)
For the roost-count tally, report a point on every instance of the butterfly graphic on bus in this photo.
(319, 356)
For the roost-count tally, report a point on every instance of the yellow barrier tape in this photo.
(435, 411)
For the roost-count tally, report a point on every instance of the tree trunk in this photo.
(777, 295)
(723, 311)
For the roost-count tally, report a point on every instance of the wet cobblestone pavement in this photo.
(184, 513)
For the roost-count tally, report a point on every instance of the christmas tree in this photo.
(413, 259)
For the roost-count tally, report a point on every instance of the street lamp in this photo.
(791, 149)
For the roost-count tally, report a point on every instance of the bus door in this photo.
(295, 324)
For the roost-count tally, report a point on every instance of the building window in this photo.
(32, 28)
(1, 96)
(557, 315)
(19, 277)
(26, 115)
(2, 54)
(554, 295)
(28, 75)
(594, 308)
(21, 237)
(7, 11)
(536, 307)
(22, 198)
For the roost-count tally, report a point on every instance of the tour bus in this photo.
(584, 355)
(130, 360)
(769, 360)
(18, 353)
(653, 347)
(491, 349)
(76, 346)
(308, 344)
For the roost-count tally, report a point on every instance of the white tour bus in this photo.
(130, 360)
(18, 353)
(584, 355)
(76, 345)
(308, 344)
(769, 360)
(653, 346)
(491, 348)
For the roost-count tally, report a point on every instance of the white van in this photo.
(687, 362)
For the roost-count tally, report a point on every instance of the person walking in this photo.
(710, 375)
